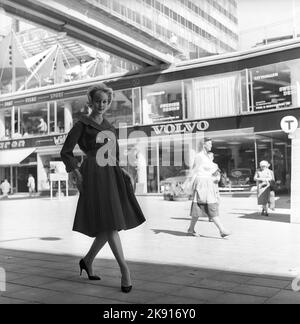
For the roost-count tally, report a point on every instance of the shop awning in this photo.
(15, 156)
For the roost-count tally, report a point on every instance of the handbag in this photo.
(273, 185)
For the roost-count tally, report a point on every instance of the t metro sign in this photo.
(289, 124)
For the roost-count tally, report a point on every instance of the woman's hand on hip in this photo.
(77, 178)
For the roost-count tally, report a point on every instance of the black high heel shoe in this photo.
(126, 289)
(83, 266)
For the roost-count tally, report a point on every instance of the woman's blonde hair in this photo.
(100, 87)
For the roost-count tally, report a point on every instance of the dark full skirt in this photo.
(107, 201)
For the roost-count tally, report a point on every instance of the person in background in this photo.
(42, 126)
(265, 180)
(31, 185)
(5, 188)
(205, 176)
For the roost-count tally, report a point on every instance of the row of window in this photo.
(208, 17)
(195, 28)
(137, 18)
(259, 89)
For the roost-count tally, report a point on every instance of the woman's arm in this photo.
(66, 153)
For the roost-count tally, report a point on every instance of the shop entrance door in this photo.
(22, 174)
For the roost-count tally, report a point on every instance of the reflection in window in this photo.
(5, 124)
(162, 102)
(79, 108)
(121, 110)
(33, 120)
(216, 96)
(275, 86)
(60, 117)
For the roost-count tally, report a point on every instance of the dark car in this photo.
(241, 177)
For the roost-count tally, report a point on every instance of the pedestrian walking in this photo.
(5, 188)
(31, 185)
(265, 181)
(107, 203)
(205, 176)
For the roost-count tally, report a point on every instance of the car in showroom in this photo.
(172, 188)
(241, 178)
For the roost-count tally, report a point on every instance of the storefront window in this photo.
(276, 149)
(172, 163)
(152, 169)
(33, 120)
(121, 110)
(235, 156)
(215, 96)
(275, 86)
(5, 124)
(162, 103)
(79, 108)
(137, 109)
(60, 128)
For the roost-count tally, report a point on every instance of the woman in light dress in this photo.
(265, 180)
(205, 176)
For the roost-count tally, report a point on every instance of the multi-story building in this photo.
(197, 28)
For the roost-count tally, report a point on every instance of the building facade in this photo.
(197, 28)
(238, 100)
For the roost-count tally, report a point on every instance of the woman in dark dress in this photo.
(107, 203)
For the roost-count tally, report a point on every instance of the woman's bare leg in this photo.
(193, 223)
(219, 225)
(115, 244)
(97, 245)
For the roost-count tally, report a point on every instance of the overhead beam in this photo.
(57, 17)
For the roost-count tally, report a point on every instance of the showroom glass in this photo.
(274, 86)
(162, 102)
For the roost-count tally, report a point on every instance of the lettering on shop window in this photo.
(59, 140)
(12, 144)
(30, 100)
(8, 103)
(58, 95)
(181, 128)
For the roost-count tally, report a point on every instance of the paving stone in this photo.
(264, 282)
(256, 290)
(214, 284)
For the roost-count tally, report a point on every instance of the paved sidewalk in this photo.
(257, 264)
(54, 279)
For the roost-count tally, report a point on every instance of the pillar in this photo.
(295, 178)
(68, 118)
(2, 124)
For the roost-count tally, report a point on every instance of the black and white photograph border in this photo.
(149, 154)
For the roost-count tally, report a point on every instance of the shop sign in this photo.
(12, 144)
(33, 142)
(178, 128)
(289, 124)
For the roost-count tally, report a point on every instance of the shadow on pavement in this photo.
(189, 218)
(282, 218)
(177, 233)
(44, 278)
